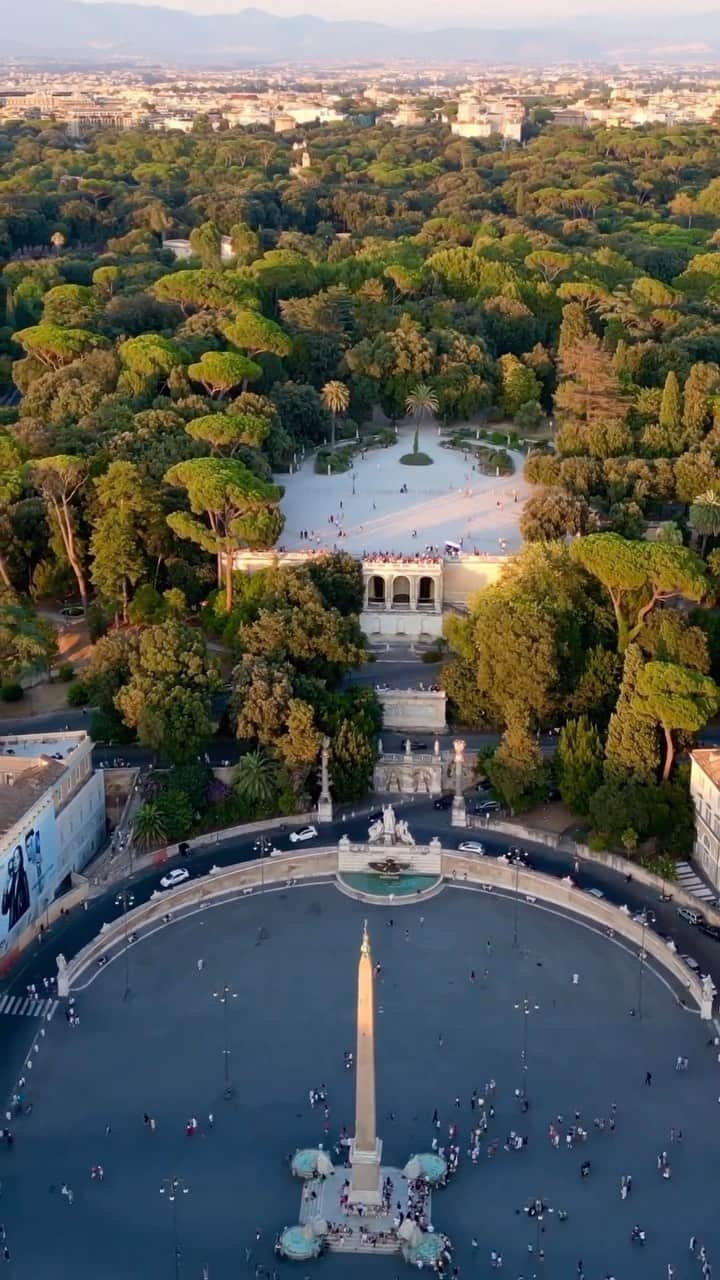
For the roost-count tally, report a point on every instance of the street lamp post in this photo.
(262, 846)
(641, 965)
(540, 1208)
(224, 997)
(125, 899)
(173, 1188)
(526, 1007)
(515, 909)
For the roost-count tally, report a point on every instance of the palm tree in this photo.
(336, 398)
(256, 780)
(421, 402)
(150, 825)
(705, 516)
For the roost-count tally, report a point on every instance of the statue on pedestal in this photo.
(325, 804)
(389, 823)
(458, 815)
(403, 834)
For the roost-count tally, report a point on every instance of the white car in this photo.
(174, 877)
(691, 964)
(307, 833)
(471, 846)
(596, 893)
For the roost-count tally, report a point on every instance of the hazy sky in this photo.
(429, 13)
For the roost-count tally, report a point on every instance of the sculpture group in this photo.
(389, 829)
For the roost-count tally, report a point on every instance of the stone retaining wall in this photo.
(613, 861)
(532, 885)
(243, 877)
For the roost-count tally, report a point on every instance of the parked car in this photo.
(596, 893)
(471, 846)
(174, 877)
(184, 849)
(691, 964)
(306, 833)
(443, 802)
(483, 787)
(712, 930)
(72, 611)
(488, 806)
(692, 917)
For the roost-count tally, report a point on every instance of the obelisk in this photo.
(366, 1147)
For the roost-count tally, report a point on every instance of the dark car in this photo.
(443, 802)
(712, 930)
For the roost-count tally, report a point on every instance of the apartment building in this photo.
(705, 792)
(52, 821)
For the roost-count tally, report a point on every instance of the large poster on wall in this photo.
(28, 871)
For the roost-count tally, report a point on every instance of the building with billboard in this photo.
(52, 821)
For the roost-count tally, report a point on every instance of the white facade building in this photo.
(705, 792)
(52, 821)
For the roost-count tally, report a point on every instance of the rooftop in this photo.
(35, 745)
(708, 759)
(25, 790)
(29, 765)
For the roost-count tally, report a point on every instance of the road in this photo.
(81, 925)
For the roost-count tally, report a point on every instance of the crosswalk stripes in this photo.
(690, 881)
(28, 1007)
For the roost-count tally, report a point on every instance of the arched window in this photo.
(426, 593)
(401, 591)
(376, 590)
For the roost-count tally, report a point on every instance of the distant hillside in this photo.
(66, 28)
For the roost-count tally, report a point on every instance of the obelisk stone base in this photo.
(366, 1176)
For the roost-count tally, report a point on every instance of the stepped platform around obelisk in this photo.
(348, 1230)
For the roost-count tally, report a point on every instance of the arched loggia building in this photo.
(403, 597)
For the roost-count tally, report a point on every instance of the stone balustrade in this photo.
(487, 873)
(533, 885)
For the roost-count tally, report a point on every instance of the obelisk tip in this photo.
(365, 946)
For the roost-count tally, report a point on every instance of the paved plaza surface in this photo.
(448, 500)
(291, 959)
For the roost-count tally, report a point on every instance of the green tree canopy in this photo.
(254, 333)
(240, 510)
(27, 642)
(579, 764)
(226, 432)
(168, 696)
(220, 371)
(639, 575)
(675, 697)
(55, 346)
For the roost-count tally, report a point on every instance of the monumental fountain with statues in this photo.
(390, 865)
